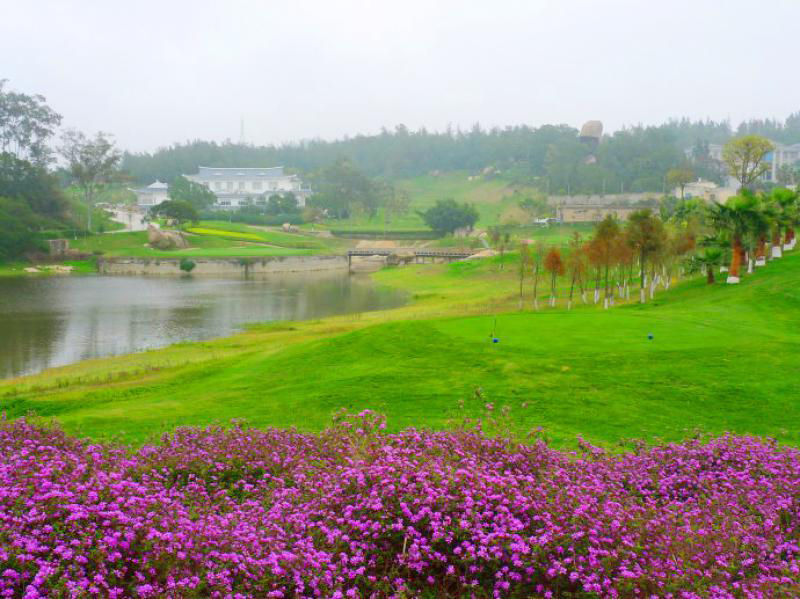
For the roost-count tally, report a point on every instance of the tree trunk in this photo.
(736, 259)
(641, 277)
(571, 290)
(710, 274)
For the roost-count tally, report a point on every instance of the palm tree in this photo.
(735, 217)
(762, 219)
(784, 205)
(708, 260)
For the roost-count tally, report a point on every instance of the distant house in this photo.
(592, 213)
(705, 190)
(235, 187)
(152, 195)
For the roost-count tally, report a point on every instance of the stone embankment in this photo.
(222, 266)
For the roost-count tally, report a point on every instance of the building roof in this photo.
(701, 183)
(210, 172)
(599, 207)
(157, 185)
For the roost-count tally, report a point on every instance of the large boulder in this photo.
(165, 240)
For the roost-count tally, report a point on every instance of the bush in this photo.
(381, 234)
(17, 221)
(354, 511)
(247, 218)
(448, 215)
(187, 265)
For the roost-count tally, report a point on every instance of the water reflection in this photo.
(58, 320)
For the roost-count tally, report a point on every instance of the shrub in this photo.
(187, 265)
(354, 511)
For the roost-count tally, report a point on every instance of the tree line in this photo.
(650, 250)
(634, 159)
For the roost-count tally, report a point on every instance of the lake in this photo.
(56, 320)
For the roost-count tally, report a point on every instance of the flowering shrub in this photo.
(356, 512)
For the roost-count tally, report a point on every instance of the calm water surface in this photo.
(52, 321)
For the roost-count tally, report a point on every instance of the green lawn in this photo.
(722, 358)
(211, 243)
(237, 231)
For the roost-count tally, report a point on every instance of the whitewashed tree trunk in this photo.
(641, 295)
(749, 266)
(596, 295)
(552, 301)
(569, 304)
(583, 297)
(605, 303)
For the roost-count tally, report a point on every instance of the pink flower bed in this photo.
(354, 512)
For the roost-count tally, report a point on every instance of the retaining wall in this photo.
(222, 266)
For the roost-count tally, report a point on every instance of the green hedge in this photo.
(380, 234)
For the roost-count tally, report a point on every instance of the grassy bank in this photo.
(11, 269)
(721, 358)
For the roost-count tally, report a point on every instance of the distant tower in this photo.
(591, 133)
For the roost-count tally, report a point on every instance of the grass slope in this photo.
(722, 358)
(491, 197)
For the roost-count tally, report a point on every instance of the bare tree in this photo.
(26, 123)
(92, 164)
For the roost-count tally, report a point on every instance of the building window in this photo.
(218, 185)
(241, 185)
(224, 203)
(256, 184)
(229, 185)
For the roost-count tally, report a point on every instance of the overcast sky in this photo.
(154, 73)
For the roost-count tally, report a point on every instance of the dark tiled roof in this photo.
(208, 172)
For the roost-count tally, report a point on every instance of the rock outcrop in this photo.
(165, 240)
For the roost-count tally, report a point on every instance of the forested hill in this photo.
(634, 159)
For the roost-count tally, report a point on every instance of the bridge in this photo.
(420, 255)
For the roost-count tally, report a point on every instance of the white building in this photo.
(236, 187)
(705, 190)
(152, 195)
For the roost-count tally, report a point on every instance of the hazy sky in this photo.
(154, 73)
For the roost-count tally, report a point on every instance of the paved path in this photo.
(133, 221)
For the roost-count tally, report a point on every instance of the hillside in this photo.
(709, 367)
